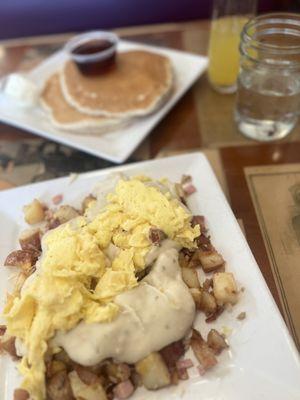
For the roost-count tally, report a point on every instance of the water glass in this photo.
(268, 98)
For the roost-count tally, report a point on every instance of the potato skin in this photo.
(30, 240)
(23, 259)
(216, 341)
(208, 303)
(202, 351)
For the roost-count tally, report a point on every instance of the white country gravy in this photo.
(156, 313)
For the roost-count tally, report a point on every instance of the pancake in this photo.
(64, 116)
(136, 86)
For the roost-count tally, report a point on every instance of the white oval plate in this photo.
(116, 145)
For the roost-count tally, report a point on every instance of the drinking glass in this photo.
(228, 20)
(268, 98)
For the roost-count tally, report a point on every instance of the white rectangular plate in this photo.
(116, 145)
(262, 362)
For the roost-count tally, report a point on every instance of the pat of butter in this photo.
(21, 89)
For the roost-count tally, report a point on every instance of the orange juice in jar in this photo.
(229, 18)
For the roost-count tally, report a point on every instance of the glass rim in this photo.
(291, 19)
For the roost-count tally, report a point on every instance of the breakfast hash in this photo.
(106, 295)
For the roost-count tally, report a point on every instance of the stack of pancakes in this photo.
(138, 84)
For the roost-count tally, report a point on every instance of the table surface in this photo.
(202, 120)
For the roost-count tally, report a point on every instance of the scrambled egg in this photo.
(77, 280)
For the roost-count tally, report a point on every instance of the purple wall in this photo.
(36, 17)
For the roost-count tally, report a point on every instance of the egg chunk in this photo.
(86, 263)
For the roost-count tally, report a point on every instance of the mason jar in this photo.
(268, 97)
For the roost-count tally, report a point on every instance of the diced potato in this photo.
(194, 261)
(197, 296)
(59, 388)
(183, 260)
(212, 317)
(189, 259)
(117, 372)
(86, 375)
(210, 260)
(55, 366)
(216, 341)
(202, 352)
(86, 392)
(34, 212)
(30, 239)
(63, 357)
(24, 259)
(208, 303)
(153, 371)
(65, 213)
(224, 287)
(190, 277)
(87, 201)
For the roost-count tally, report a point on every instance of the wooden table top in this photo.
(202, 120)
